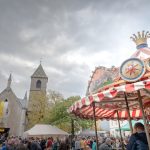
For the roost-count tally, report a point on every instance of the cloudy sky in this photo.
(71, 36)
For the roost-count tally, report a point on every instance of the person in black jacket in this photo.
(43, 144)
(63, 146)
(138, 140)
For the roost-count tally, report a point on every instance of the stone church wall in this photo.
(36, 107)
(14, 112)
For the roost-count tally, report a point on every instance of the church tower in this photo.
(37, 97)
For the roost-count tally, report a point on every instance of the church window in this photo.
(38, 84)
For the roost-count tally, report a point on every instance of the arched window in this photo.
(38, 84)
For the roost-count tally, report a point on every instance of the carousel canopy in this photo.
(115, 95)
(143, 52)
(102, 114)
(134, 76)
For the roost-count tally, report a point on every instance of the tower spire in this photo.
(9, 81)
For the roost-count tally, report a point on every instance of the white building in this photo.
(114, 128)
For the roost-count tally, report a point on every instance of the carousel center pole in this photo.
(94, 117)
(128, 111)
(144, 118)
(120, 131)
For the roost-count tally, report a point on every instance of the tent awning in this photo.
(45, 130)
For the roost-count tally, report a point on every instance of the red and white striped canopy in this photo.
(110, 93)
(87, 113)
(84, 107)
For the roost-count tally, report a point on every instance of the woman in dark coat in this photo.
(63, 146)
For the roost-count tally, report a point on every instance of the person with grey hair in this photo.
(106, 145)
(77, 144)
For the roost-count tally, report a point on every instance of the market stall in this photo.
(44, 130)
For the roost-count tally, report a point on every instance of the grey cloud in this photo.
(3, 80)
(55, 29)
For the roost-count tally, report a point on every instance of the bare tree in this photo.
(54, 97)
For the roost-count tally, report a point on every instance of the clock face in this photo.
(132, 69)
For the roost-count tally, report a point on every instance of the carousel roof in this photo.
(108, 101)
(111, 98)
(142, 53)
(104, 114)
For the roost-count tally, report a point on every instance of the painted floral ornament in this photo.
(132, 69)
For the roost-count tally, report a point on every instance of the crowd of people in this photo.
(137, 141)
(18, 143)
(78, 143)
(104, 143)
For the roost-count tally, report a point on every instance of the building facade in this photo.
(19, 114)
(13, 115)
(114, 127)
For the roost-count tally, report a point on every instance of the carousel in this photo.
(127, 97)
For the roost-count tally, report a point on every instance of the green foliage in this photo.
(59, 116)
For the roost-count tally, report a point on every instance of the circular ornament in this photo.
(132, 69)
(147, 62)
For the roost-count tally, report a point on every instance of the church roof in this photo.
(39, 72)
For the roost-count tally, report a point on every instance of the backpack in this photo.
(140, 144)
